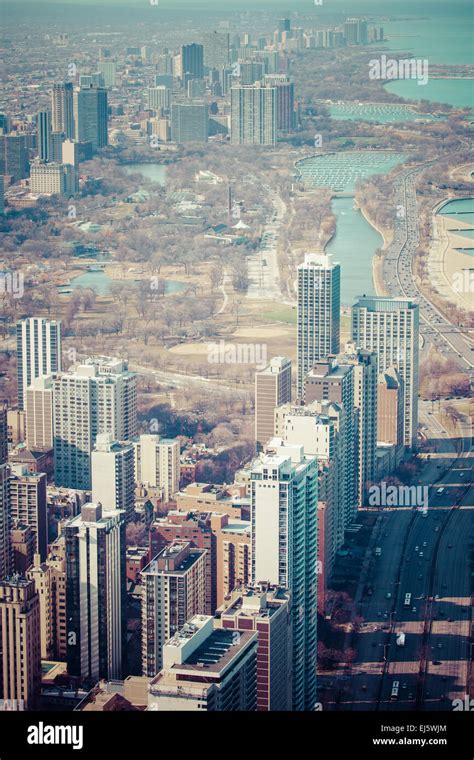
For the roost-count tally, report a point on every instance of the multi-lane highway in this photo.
(400, 281)
(428, 558)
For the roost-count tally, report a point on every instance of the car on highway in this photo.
(437, 662)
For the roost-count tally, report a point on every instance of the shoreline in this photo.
(377, 261)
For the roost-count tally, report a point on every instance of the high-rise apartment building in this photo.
(91, 116)
(63, 109)
(38, 402)
(390, 327)
(50, 582)
(174, 589)
(113, 475)
(197, 530)
(20, 663)
(319, 304)
(390, 410)
(189, 122)
(44, 135)
(330, 381)
(351, 31)
(267, 610)
(3, 432)
(206, 668)
(28, 504)
(97, 396)
(192, 61)
(253, 115)
(284, 549)
(157, 463)
(14, 156)
(159, 98)
(96, 594)
(38, 351)
(365, 374)
(272, 388)
(285, 105)
(107, 72)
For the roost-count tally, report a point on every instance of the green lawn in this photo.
(281, 314)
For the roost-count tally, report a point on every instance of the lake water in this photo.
(454, 92)
(355, 241)
(154, 172)
(353, 246)
(100, 282)
(461, 210)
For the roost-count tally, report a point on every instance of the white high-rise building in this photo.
(253, 115)
(322, 429)
(390, 327)
(97, 396)
(38, 351)
(96, 597)
(284, 502)
(158, 97)
(157, 463)
(319, 304)
(113, 476)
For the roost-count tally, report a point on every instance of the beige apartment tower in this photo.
(272, 388)
(20, 669)
(50, 582)
(39, 413)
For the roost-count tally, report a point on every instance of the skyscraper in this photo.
(158, 98)
(97, 396)
(272, 388)
(253, 115)
(44, 135)
(14, 156)
(50, 583)
(5, 519)
(20, 663)
(62, 109)
(38, 351)
(39, 413)
(157, 463)
(174, 589)
(284, 503)
(319, 303)
(113, 481)
(28, 504)
(285, 106)
(90, 116)
(365, 370)
(96, 594)
(266, 609)
(189, 122)
(390, 327)
(192, 61)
